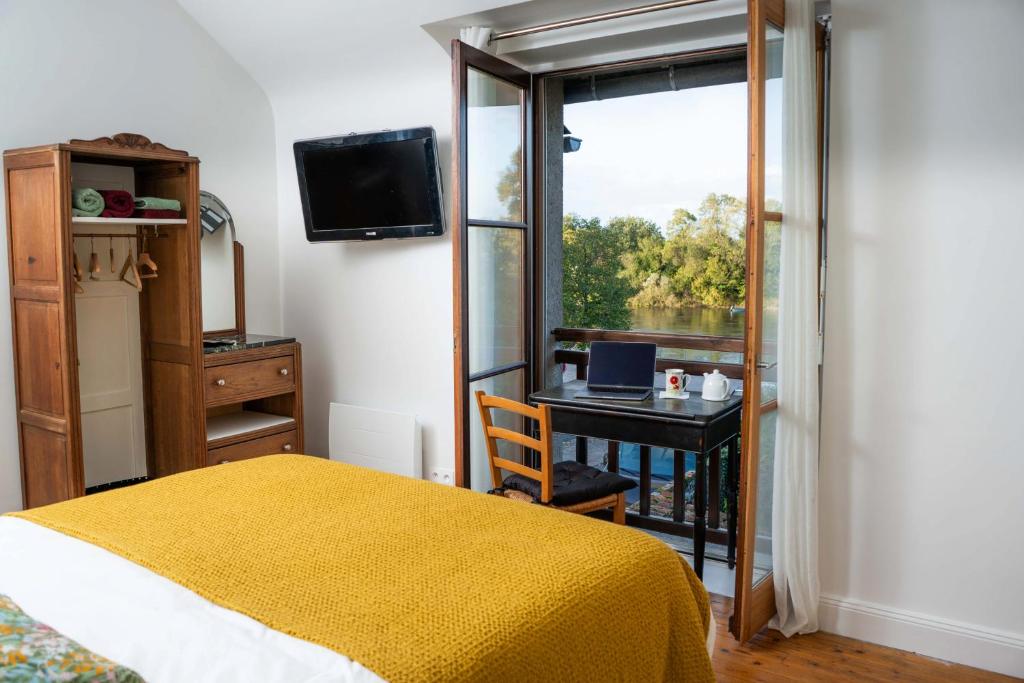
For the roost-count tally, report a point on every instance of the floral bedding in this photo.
(31, 652)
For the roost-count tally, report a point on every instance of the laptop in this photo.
(622, 371)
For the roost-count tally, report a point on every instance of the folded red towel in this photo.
(118, 204)
(156, 213)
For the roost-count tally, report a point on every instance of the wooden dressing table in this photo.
(252, 383)
(253, 397)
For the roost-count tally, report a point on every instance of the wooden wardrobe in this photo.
(40, 250)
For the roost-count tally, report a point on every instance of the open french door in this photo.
(755, 594)
(491, 241)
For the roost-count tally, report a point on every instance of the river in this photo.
(719, 322)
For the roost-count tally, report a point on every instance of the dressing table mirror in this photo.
(222, 268)
(252, 382)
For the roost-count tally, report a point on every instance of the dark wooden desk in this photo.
(691, 424)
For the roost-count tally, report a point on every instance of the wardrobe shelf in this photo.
(235, 424)
(99, 220)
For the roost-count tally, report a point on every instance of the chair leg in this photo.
(619, 511)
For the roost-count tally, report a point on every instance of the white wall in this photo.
(374, 318)
(922, 463)
(84, 70)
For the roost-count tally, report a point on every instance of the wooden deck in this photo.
(825, 657)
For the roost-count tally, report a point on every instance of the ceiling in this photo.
(710, 24)
(303, 43)
(284, 45)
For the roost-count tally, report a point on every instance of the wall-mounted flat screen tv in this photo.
(370, 186)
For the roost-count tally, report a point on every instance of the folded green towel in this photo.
(157, 203)
(86, 201)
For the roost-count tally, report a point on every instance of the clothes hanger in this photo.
(129, 265)
(76, 270)
(79, 273)
(144, 258)
(94, 260)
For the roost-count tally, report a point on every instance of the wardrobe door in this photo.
(43, 318)
(172, 329)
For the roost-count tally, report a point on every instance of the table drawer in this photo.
(285, 442)
(248, 380)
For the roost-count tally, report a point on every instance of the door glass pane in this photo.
(494, 148)
(770, 318)
(765, 481)
(773, 120)
(508, 385)
(496, 318)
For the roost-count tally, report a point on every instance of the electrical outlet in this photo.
(442, 475)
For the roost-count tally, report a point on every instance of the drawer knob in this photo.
(221, 382)
(223, 462)
(283, 372)
(287, 447)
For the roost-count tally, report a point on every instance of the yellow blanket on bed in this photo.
(414, 580)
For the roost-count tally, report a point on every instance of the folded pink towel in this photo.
(118, 204)
(156, 213)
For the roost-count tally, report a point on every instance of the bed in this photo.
(294, 568)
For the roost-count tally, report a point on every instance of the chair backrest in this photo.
(492, 434)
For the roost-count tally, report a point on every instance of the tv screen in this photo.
(370, 185)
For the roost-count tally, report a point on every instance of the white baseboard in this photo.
(952, 641)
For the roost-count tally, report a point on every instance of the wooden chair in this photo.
(566, 485)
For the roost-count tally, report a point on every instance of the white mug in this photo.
(675, 382)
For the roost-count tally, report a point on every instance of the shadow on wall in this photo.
(869, 249)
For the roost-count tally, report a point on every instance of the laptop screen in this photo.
(621, 364)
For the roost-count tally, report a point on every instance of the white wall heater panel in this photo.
(378, 439)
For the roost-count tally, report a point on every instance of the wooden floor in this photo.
(824, 657)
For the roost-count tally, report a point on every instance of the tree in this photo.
(682, 221)
(641, 244)
(723, 212)
(631, 264)
(722, 280)
(630, 231)
(510, 187)
(701, 263)
(593, 293)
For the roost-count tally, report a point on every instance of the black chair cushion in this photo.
(574, 483)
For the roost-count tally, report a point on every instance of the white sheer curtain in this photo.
(795, 494)
(476, 36)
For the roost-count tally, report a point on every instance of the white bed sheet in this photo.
(137, 618)
(158, 628)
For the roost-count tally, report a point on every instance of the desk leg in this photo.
(714, 489)
(732, 485)
(679, 486)
(645, 481)
(581, 450)
(699, 511)
(613, 456)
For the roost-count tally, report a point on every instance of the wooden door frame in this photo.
(463, 57)
(540, 227)
(754, 605)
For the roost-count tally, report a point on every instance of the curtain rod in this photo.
(603, 16)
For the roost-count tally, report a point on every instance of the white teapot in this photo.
(716, 387)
